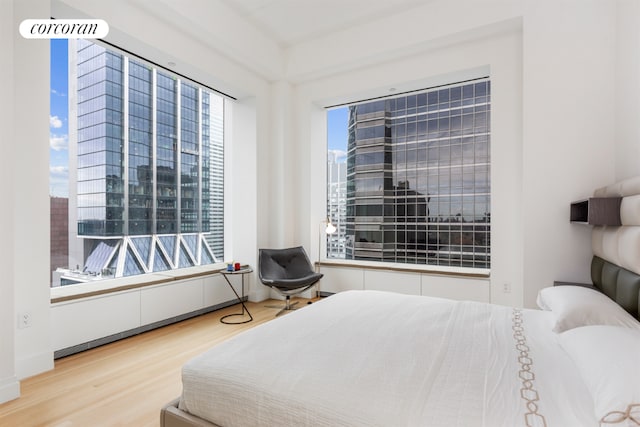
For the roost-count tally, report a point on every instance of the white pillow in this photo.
(607, 358)
(576, 306)
(541, 302)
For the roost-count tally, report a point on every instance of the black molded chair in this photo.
(287, 271)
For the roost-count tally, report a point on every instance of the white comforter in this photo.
(367, 358)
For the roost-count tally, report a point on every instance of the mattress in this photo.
(369, 358)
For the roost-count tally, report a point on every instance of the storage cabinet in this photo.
(597, 211)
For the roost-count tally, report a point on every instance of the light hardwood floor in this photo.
(124, 383)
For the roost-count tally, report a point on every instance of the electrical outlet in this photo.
(24, 320)
(506, 288)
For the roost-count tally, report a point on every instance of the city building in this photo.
(59, 239)
(148, 150)
(336, 205)
(418, 188)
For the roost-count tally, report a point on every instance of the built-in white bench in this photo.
(91, 314)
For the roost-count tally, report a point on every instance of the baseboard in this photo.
(34, 365)
(9, 389)
(261, 294)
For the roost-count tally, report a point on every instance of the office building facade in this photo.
(144, 143)
(418, 178)
(336, 205)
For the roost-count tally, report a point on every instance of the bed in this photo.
(370, 358)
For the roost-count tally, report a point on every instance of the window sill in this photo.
(109, 286)
(479, 273)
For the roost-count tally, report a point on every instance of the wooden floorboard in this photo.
(124, 383)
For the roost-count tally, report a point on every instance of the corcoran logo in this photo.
(64, 28)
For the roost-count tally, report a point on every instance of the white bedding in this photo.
(368, 358)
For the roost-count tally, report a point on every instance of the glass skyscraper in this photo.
(336, 205)
(149, 165)
(418, 178)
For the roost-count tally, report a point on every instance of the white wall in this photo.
(568, 130)
(30, 199)
(498, 53)
(552, 119)
(247, 132)
(627, 82)
(435, 24)
(9, 386)
(161, 39)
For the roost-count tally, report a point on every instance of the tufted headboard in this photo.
(615, 267)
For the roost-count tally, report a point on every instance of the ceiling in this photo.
(288, 22)
(293, 40)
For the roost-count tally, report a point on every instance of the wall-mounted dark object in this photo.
(597, 211)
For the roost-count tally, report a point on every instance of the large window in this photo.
(136, 166)
(415, 180)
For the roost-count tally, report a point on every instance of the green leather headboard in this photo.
(619, 284)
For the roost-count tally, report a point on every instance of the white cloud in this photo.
(59, 171)
(55, 122)
(338, 155)
(58, 142)
(55, 92)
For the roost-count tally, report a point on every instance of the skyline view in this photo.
(417, 183)
(337, 123)
(136, 166)
(59, 120)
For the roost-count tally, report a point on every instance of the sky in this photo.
(59, 120)
(337, 125)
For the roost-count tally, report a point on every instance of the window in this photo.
(136, 166)
(414, 185)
